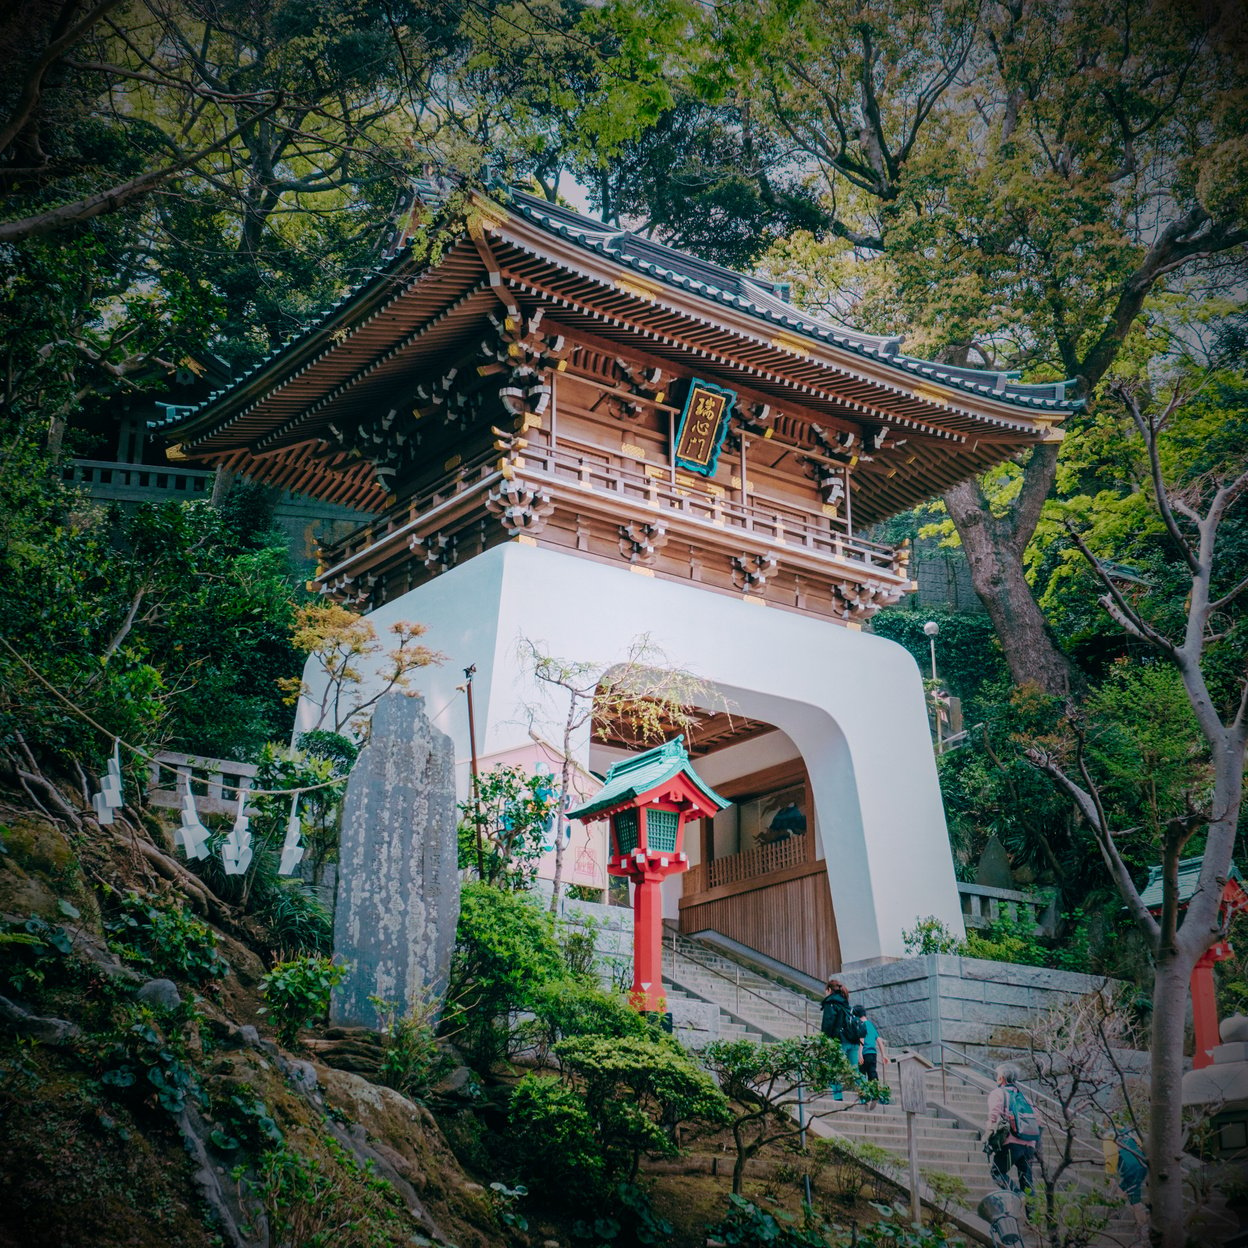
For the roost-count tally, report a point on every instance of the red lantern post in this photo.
(1203, 989)
(649, 798)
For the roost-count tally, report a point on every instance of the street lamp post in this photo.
(932, 629)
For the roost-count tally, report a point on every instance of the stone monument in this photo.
(398, 878)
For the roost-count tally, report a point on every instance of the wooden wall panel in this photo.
(791, 921)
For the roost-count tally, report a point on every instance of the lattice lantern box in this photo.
(648, 799)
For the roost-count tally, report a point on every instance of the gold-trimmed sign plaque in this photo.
(703, 427)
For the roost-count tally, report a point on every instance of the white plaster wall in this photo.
(850, 702)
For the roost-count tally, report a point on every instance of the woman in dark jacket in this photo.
(836, 1024)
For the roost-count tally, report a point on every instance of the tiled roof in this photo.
(760, 298)
(640, 773)
(755, 296)
(1189, 875)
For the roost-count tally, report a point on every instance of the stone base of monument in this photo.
(355, 1049)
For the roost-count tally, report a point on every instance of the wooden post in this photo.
(911, 1069)
(554, 417)
(912, 1148)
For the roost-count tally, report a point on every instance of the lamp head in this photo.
(931, 628)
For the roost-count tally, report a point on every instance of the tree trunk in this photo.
(1165, 1136)
(563, 806)
(994, 551)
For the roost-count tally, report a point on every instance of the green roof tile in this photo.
(639, 773)
(1189, 875)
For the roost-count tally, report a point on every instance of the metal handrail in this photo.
(1036, 1093)
(804, 1019)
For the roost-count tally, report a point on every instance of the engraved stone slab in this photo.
(398, 881)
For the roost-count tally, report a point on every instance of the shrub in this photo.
(638, 1090)
(557, 1151)
(162, 937)
(505, 951)
(506, 819)
(948, 1189)
(750, 1226)
(296, 994)
(1007, 939)
(579, 942)
(295, 919)
(930, 935)
(412, 1061)
(567, 1008)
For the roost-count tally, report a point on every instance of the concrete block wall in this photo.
(970, 1003)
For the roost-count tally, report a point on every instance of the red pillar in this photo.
(1205, 1008)
(647, 992)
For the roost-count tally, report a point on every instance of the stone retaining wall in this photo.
(970, 1003)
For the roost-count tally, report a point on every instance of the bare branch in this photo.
(1148, 431)
(1118, 607)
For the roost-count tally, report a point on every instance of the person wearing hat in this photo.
(873, 1053)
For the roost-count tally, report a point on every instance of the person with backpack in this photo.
(838, 1023)
(1012, 1133)
(1126, 1163)
(873, 1054)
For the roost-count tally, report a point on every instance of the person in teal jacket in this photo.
(873, 1053)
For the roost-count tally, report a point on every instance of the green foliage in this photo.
(968, 655)
(764, 1082)
(160, 935)
(748, 1225)
(326, 1199)
(154, 622)
(948, 1190)
(579, 941)
(244, 1122)
(636, 1090)
(930, 935)
(1008, 938)
(319, 758)
(508, 818)
(554, 1143)
(296, 994)
(852, 1167)
(35, 949)
(142, 1062)
(895, 1230)
(503, 1199)
(505, 951)
(565, 1007)
(290, 914)
(412, 1061)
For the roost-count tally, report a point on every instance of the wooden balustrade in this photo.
(762, 860)
(818, 533)
(782, 525)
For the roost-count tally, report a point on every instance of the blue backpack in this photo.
(1023, 1119)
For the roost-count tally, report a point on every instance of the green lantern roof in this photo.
(1189, 875)
(632, 777)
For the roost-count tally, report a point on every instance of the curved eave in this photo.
(563, 268)
(979, 382)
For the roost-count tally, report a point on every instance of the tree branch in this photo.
(114, 198)
(1148, 431)
(1119, 608)
(61, 42)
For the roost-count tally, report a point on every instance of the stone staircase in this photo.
(949, 1137)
